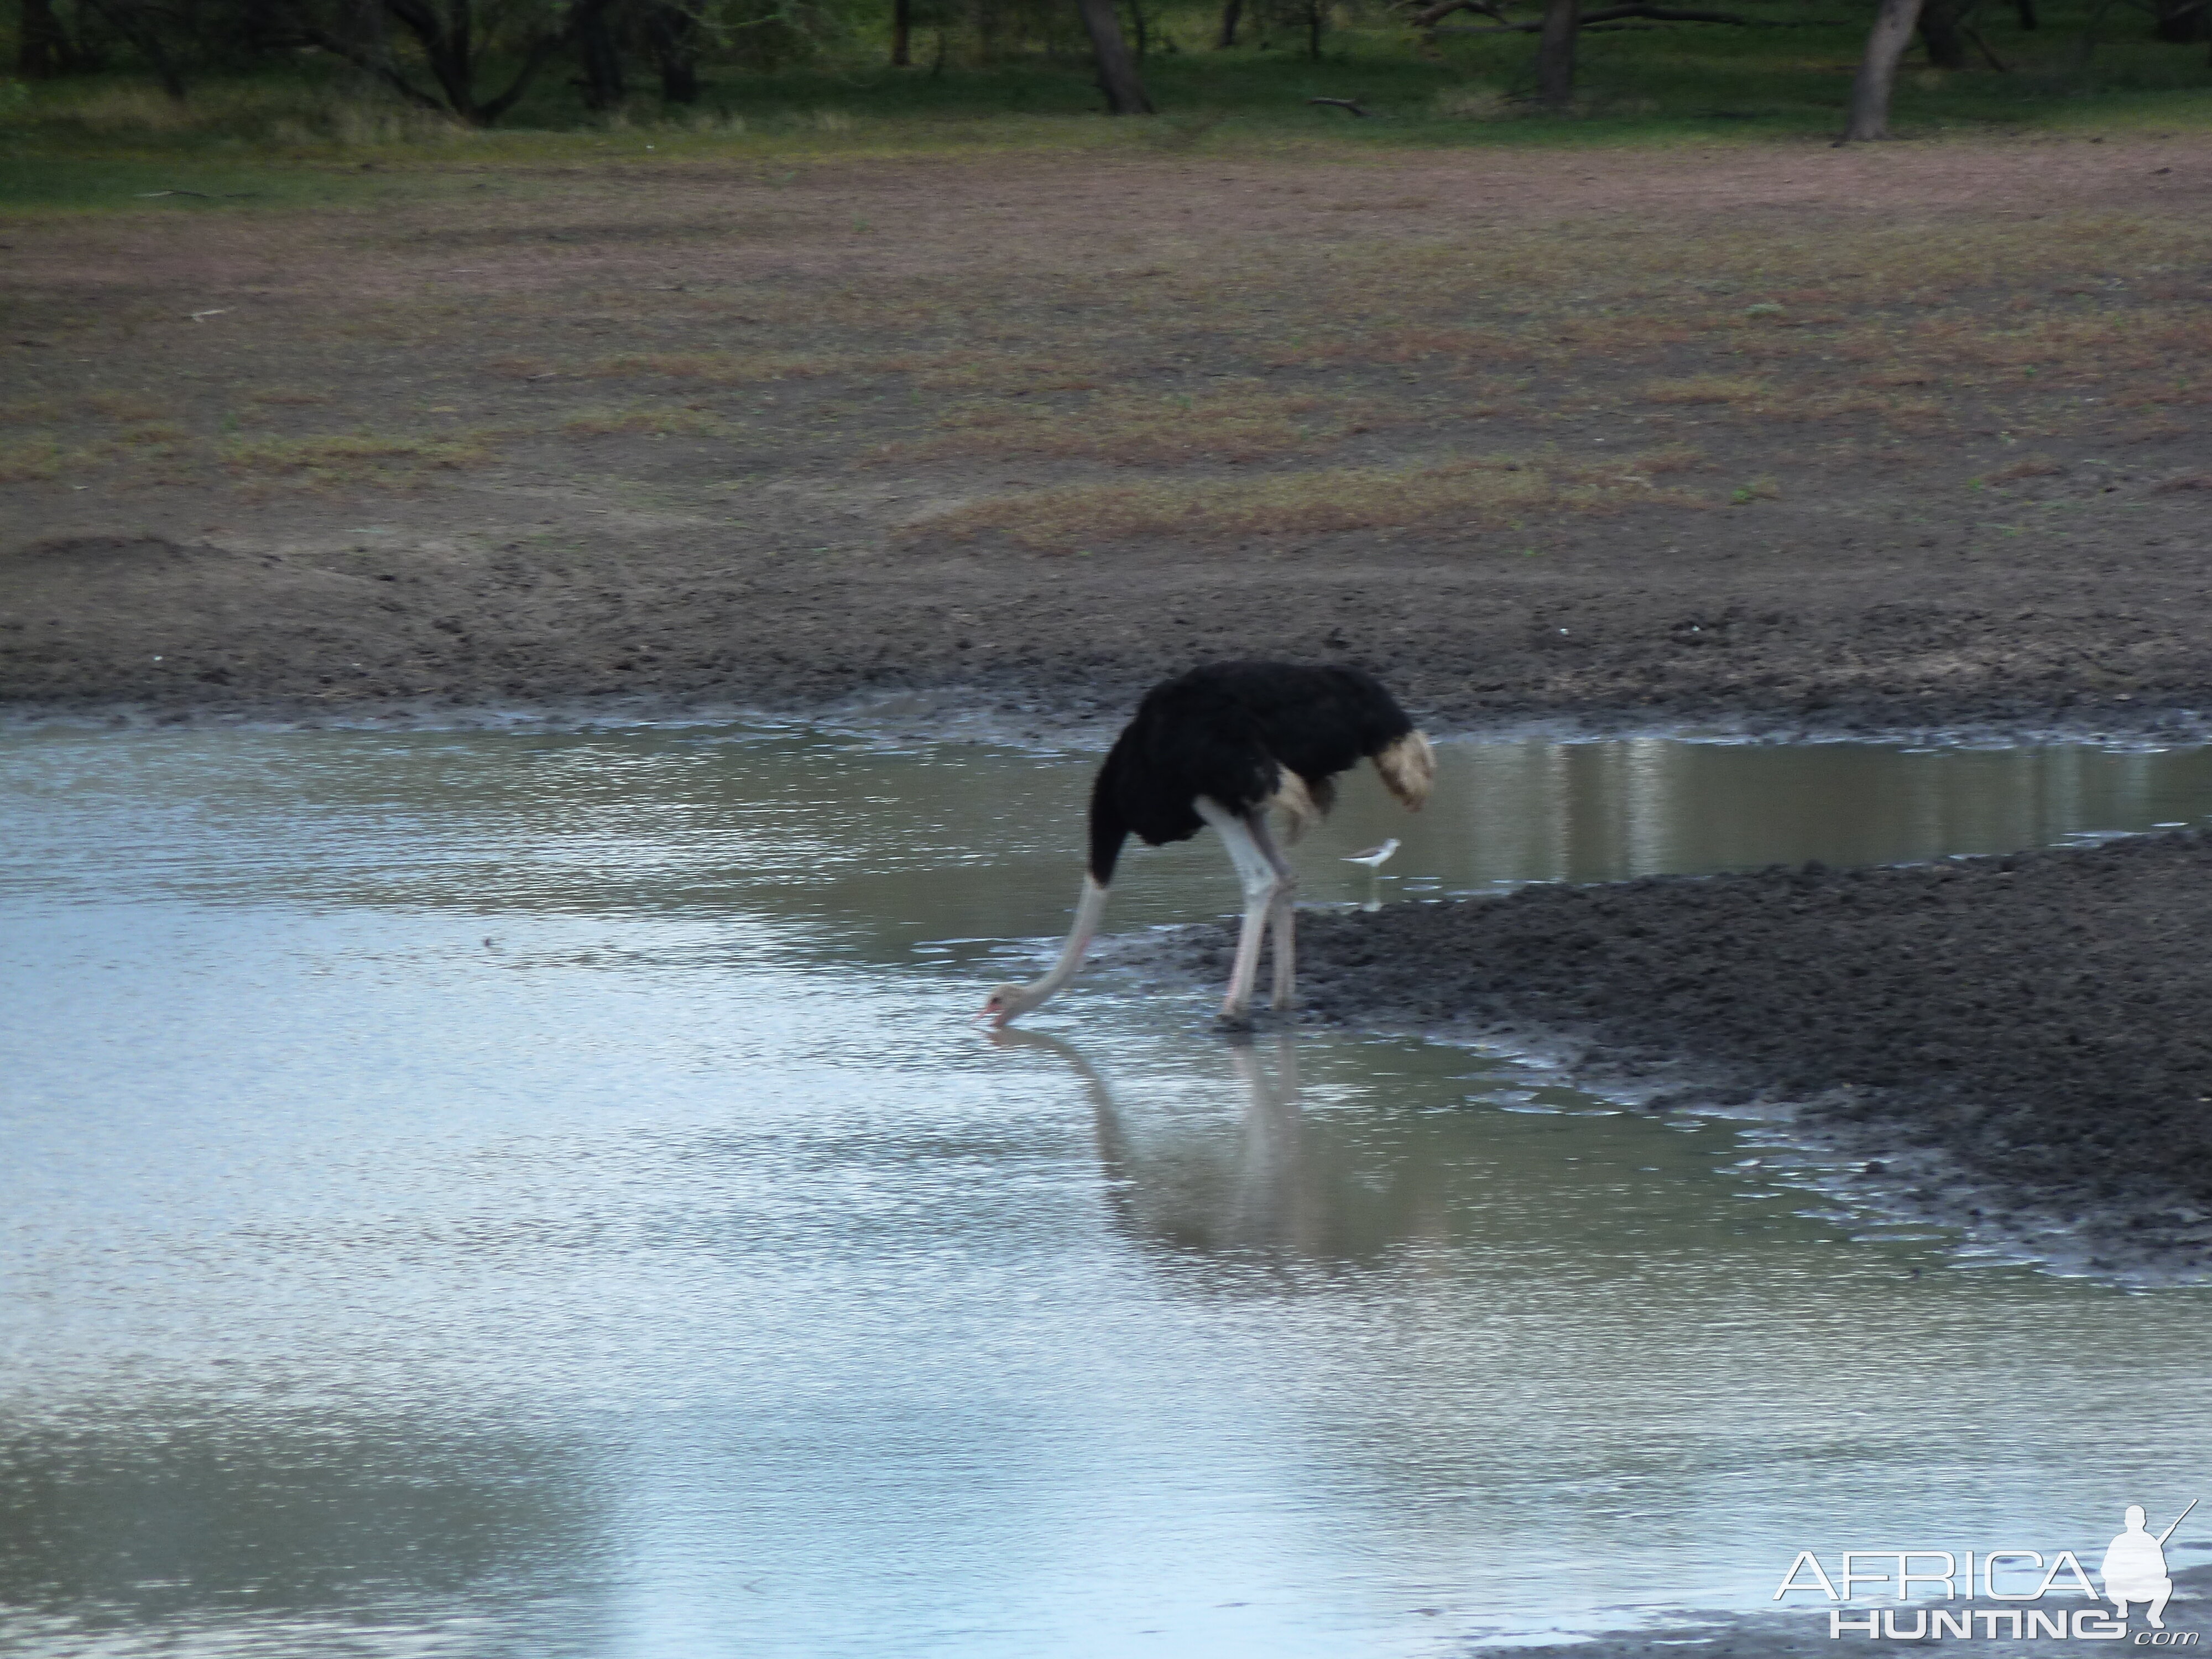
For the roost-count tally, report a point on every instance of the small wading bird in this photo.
(1375, 857)
(1222, 745)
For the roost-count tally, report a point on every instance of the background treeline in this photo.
(478, 62)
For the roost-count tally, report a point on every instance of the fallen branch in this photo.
(1341, 103)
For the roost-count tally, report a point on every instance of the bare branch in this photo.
(375, 63)
(1995, 62)
(1615, 13)
(1429, 16)
(1342, 103)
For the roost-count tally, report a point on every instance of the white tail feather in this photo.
(1295, 802)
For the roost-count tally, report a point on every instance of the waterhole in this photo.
(541, 1194)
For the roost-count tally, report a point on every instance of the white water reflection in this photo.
(528, 1195)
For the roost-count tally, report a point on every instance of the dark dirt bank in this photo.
(1729, 633)
(2017, 1044)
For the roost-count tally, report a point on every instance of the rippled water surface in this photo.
(502, 1195)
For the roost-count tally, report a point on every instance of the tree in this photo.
(1886, 44)
(599, 57)
(1117, 71)
(449, 34)
(137, 24)
(1555, 53)
(1943, 31)
(44, 48)
(671, 34)
(2184, 21)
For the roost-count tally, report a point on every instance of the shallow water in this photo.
(539, 1194)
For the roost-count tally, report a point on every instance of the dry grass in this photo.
(164, 432)
(654, 420)
(128, 405)
(354, 457)
(1008, 374)
(721, 367)
(1333, 344)
(1707, 389)
(2027, 466)
(1244, 421)
(1299, 345)
(31, 461)
(1484, 492)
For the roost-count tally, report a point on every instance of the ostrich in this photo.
(1220, 745)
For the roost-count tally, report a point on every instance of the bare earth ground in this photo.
(1899, 436)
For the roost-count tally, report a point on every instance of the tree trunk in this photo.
(129, 19)
(1941, 34)
(1886, 44)
(1117, 73)
(42, 50)
(2182, 22)
(599, 58)
(901, 33)
(1555, 54)
(1316, 22)
(1231, 10)
(672, 32)
(2026, 10)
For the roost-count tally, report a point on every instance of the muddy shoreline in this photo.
(146, 629)
(2013, 1046)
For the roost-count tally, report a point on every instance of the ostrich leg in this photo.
(1260, 882)
(1283, 917)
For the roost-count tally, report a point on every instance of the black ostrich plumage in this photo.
(1224, 731)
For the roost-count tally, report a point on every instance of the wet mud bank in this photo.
(1598, 639)
(2018, 1046)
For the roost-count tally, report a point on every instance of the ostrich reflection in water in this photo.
(1284, 1190)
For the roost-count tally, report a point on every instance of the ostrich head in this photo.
(1007, 1001)
(1010, 1001)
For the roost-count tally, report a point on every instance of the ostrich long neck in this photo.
(1088, 910)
